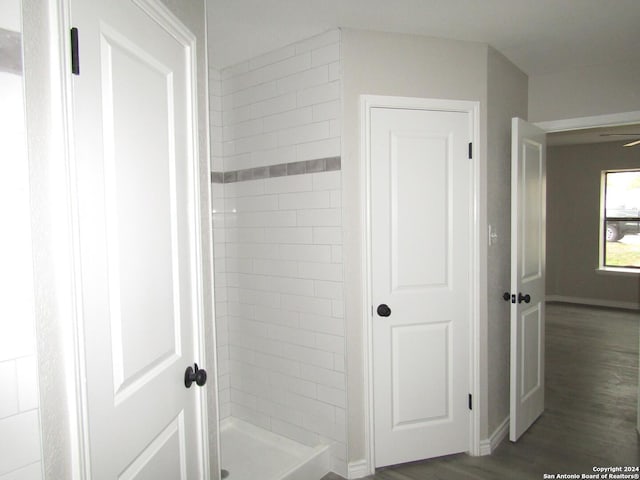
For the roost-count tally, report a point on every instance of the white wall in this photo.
(403, 65)
(586, 91)
(20, 450)
(281, 330)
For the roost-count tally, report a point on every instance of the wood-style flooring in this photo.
(591, 406)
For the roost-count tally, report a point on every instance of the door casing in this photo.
(367, 102)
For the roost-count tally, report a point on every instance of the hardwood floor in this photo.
(590, 414)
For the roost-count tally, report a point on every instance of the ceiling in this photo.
(539, 36)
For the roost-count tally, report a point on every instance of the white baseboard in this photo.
(359, 469)
(488, 445)
(596, 302)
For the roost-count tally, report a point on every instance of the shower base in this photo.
(250, 453)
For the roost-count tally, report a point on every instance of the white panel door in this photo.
(528, 219)
(421, 217)
(136, 160)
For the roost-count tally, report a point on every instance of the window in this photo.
(621, 219)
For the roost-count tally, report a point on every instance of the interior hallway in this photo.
(591, 406)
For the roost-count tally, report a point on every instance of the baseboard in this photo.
(488, 445)
(359, 469)
(596, 302)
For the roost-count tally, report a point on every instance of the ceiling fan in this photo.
(630, 144)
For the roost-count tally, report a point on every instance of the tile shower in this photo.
(277, 214)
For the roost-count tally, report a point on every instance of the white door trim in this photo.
(367, 102)
(55, 247)
(54, 212)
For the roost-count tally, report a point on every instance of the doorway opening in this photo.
(590, 240)
(580, 152)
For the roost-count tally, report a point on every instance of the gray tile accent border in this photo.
(10, 51)
(280, 170)
(229, 177)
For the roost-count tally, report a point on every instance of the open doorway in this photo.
(592, 263)
(591, 175)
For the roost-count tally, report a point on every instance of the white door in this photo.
(528, 218)
(136, 162)
(421, 220)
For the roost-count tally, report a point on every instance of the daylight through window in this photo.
(621, 217)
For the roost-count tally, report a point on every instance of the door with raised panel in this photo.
(421, 249)
(136, 169)
(528, 220)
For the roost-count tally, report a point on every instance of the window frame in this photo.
(602, 242)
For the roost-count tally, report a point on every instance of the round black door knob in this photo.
(383, 310)
(198, 375)
(526, 298)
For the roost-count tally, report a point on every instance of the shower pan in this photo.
(250, 452)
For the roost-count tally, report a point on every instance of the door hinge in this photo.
(470, 150)
(470, 402)
(75, 58)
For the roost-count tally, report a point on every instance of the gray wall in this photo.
(402, 65)
(584, 92)
(573, 222)
(506, 98)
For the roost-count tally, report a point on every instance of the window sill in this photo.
(618, 271)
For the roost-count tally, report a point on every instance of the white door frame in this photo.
(367, 102)
(58, 296)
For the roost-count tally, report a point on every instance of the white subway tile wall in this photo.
(281, 344)
(215, 119)
(220, 237)
(283, 106)
(20, 452)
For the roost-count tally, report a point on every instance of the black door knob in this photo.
(526, 298)
(198, 375)
(383, 310)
